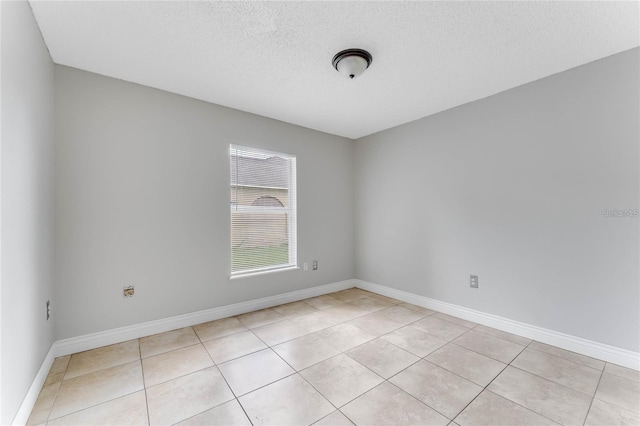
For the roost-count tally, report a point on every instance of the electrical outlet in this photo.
(473, 282)
(305, 266)
(127, 291)
(48, 310)
(315, 265)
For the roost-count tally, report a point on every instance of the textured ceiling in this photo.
(274, 58)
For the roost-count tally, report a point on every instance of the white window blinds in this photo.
(263, 210)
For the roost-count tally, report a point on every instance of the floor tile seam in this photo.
(64, 373)
(285, 361)
(296, 301)
(367, 312)
(432, 334)
(268, 346)
(210, 408)
(499, 338)
(324, 308)
(419, 311)
(331, 357)
(120, 362)
(318, 390)
(462, 377)
(416, 398)
(210, 356)
(402, 349)
(413, 353)
(217, 364)
(102, 369)
(403, 324)
(353, 359)
(568, 360)
(184, 375)
(263, 325)
(637, 413)
(594, 397)
(288, 317)
(92, 406)
(510, 400)
(617, 375)
(612, 403)
(62, 381)
(503, 338)
(261, 386)
(486, 388)
(551, 381)
(244, 411)
(220, 337)
(139, 339)
(453, 322)
(173, 350)
(353, 422)
(315, 363)
(576, 353)
(485, 355)
(322, 418)
(146, 397)
(52, 404)
(146, 405)
(554, 381)
(357, 346)
(228, 385)
(55, 396)
(307, 303)
(479, 353)
(343, 353)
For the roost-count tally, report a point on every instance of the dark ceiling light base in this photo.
(352, 62)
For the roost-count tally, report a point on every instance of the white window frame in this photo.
(291, 210)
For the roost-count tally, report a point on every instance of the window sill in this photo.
(255, 274)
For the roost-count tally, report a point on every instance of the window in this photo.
(263, 211)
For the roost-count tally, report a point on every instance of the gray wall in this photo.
(511, 188)
(26, 224)
(142, 196)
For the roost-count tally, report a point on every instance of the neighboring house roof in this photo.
(272, 172)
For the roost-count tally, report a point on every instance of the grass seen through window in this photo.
(243, 258)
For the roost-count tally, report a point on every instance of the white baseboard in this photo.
(582, 346)
(122, 334)
(34, 390)
(72, 345)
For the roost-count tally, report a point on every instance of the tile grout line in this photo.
(57, 392)
(594, 394)
(144, 385)
(456, 374)
(340, 353)
(366, 313)
(344, 352)
(486, 388)
(512, 366)
(551, 381)
(62, 382)
(215, 364)
(568, 360)
(89, 406)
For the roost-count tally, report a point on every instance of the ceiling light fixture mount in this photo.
(352, 62)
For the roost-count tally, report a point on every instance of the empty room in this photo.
(328, 213)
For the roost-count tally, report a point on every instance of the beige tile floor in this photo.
(350, 357)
